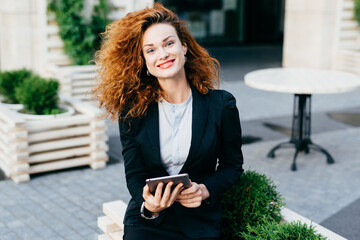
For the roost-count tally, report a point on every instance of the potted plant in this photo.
(79, 29)
(289, 231)
(357, 17)
(250, 202)
(40, 97)
(36, 140)
(9, 80)
(252, 209)
(357, 10)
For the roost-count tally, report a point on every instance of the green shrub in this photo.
(252, 201)
(9, 81)
(80, 35)
(357, 10)
(282, 231)
(39, 95)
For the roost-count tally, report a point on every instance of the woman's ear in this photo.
(184, 48)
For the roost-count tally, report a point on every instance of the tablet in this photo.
(176, 179)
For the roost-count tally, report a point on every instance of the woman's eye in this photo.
(169, 43)
(150, 50)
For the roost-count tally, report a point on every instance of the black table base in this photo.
(301, 131)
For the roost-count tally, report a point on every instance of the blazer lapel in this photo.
(199, 118)
(152, 129)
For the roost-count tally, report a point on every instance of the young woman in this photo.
(160, 84)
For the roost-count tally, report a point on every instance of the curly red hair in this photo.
(123, 85)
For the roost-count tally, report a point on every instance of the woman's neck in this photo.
(176, 92)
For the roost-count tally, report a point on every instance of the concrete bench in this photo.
(112, 223)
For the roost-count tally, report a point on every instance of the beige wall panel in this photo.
(309, 33)
(311, 5)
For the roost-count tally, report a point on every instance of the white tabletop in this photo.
(302, 81)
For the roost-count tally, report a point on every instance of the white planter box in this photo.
(75, 81)
(289, 216)
(28, 146)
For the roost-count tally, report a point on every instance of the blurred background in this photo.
(57, 39)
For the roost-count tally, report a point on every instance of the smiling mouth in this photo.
(166, 64)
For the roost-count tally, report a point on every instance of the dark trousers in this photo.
(167, 230)
(146, 233)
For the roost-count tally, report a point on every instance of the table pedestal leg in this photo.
(301, 131)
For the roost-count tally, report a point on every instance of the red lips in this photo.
(166, 64)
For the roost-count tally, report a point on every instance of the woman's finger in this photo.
(190, 195)
(190, 200)
(194, 187)
(146, 192)
(191, 205)
(178, 188)
(175, 193)
(159, 190)
(165, 197)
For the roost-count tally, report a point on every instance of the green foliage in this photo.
(357, 11)
(80, 35)
(282, 231)
(9, 81)
(252, 201)
(39, 95)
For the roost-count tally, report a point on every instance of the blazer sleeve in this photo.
(134, 168)
(135, 171)
(230, 159)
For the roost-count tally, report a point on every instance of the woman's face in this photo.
(164, 52)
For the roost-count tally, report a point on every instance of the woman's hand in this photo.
(193, 196)
(159, 201)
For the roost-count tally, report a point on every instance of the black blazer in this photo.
(215, 159)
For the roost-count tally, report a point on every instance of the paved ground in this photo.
(65, 204)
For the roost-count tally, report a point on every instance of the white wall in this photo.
(19, 34)
(309, 33)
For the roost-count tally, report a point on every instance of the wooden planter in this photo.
(347, 53)
(34, 146)
(75, 81)
(112, 223)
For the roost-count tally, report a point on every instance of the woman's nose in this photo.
(163, 53)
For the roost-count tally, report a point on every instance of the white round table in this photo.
(302, 83)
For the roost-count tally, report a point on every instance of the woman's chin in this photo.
(169, 74)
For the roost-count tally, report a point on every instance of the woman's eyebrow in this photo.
(164, 40)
